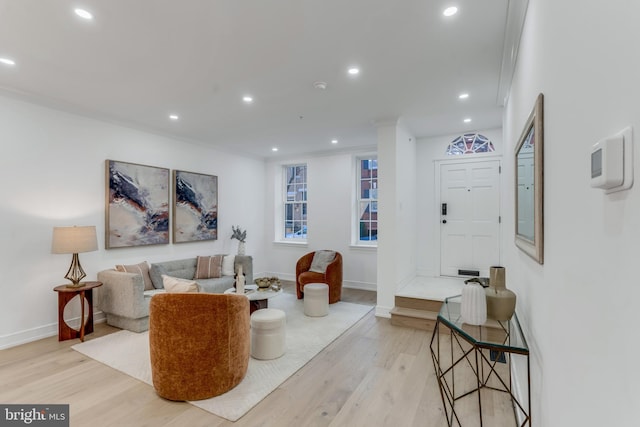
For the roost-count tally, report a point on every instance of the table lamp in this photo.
(73, 240)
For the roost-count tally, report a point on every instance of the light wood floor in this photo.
(375, 374)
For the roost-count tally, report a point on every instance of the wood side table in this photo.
(66, 294)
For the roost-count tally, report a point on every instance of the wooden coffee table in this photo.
(257, 298)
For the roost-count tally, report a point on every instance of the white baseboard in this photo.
(28, 335)
(383, 312)
(360, 285)
(99, 317)
(520, 389)
(45, 331)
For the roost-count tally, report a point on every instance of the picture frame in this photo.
(529, 185)
(137, 205)
(195, 207)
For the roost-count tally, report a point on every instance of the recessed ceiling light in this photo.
(467, 120)
(248, 99)
(174, 116)
(7, 61)
(463, 96)
(334, 141)
(274, 149)
(354, 71)
(320, 85)
(450, 11)
(83, 14)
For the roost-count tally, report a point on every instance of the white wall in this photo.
(579, 310)
(54, 175)
(429, 151)
(331, 182)
(396, 212)
(405, 247)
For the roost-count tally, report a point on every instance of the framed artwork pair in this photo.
(138, 203)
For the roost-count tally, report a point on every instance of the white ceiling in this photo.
(140, 60)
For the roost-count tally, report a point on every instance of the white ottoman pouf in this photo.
(267, 333)
(316, 299)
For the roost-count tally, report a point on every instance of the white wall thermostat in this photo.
(612, 162)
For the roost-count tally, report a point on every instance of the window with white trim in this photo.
(367, 200)
(295, 201)
(470, 143)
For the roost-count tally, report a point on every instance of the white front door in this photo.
(469, 217)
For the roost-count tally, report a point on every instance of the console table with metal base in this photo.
(487, 352)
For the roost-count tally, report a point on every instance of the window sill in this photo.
(290, 243)
(366, 248)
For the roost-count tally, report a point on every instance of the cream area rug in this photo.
(128, 352)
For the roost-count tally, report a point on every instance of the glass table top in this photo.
(254, 293)
(505, 335)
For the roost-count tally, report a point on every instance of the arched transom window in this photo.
(470, 143)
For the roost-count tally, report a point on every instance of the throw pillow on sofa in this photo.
(321, 259)
(141, 269)
(156, 271)
(175, 284)
(228, 265)
(209, 267)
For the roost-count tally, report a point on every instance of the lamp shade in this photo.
(73, 240)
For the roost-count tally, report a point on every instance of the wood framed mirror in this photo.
(529, 185)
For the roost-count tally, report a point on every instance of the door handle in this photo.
(444, 209)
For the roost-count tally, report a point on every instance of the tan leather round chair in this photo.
(332, 276)
(199, 344)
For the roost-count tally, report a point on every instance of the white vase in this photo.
(240, 281)
(474, 304)
(240, 248)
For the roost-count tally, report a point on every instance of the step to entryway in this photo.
(415, 313)
(418, 303)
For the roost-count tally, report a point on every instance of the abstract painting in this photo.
(137, 211)
(195, 207)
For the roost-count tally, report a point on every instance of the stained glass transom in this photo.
(470, 143)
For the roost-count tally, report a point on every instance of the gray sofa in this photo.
(126, 304)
